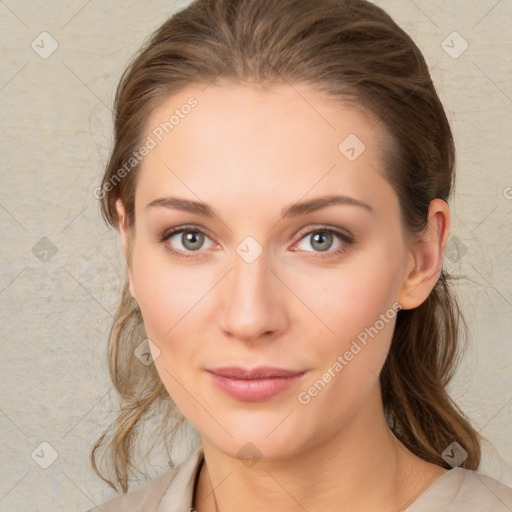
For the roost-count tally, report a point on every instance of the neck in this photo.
(363, 467)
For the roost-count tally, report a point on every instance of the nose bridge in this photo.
(250, 277)
(253, 302)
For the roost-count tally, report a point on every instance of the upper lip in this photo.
(261, 372)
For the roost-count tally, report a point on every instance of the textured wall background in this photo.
(61, 269)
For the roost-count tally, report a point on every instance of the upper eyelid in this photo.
(322, 227)
(186, 227)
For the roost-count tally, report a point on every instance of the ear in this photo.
(426, 256)
(125, 238)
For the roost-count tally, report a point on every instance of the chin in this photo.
(258, 437)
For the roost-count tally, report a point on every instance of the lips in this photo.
(256, 384)
(262, 372)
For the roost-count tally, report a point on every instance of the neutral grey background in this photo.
(61, 269)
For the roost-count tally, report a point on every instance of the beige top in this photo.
(456, 490)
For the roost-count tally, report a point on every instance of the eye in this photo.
(325, 239)
(183, 241)
(186, 239)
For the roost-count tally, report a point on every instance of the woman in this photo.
(280, 178)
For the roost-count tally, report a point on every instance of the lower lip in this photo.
(254, 390)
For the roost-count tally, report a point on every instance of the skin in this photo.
(249, 152)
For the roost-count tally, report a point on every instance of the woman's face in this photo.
(266, 272)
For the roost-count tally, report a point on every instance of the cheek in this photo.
(168, 294)
(355, 302)
(358, 307)
(174, 300)
(170, 298)
(352, 297)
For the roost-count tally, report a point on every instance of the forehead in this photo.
(297, 109)
(274, 141)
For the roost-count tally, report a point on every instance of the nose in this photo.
(254, 302)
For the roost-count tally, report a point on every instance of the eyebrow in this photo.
(295, 210)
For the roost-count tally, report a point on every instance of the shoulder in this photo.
(175, 487)
(464, 489)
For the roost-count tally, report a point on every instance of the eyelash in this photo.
(346, 240)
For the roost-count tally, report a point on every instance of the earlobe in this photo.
(426, 256)
(125, 238)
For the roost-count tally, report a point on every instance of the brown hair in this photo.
(352, 50)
